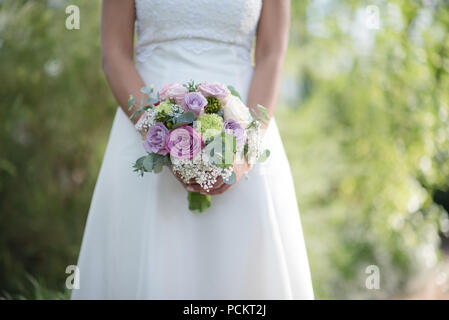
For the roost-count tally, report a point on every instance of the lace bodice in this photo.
(208, 22)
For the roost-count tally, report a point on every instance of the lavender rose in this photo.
(184, 142)
(195, 101)
(211, 89)
(155, 139)
(233, 127)
(173, 91)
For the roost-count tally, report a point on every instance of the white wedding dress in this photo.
(141, 241)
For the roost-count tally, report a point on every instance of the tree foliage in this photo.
(368, 140)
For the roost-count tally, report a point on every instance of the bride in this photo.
(140, 241)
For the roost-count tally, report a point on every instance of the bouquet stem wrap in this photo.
(198, 202)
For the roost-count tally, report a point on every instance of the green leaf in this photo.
(135, 113)
(263, 112)
(146, 90)
(158, 164)
(234, 92)
(157, 168)
(198, 202)
(222, 149)
(148, 162)
(263, 156)
(142, 102)
(191, 86)
(231, 179)
(254, 114)
(245, 149)
(151, 101)
(139, 161)
(184, 119)
(131, 101)
(138, 166)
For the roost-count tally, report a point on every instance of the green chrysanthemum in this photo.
(165, 106)
(211, 125)
(213, 105)
(163, 111)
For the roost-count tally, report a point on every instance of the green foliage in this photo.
(263, 156)
(184, 119)
(32, 289)
(152, 162)
(147, 101)
(191, 86)
(221, 150)
(55, 114)
(234, 92)
(198, 202)
(261, 115)
(368, 144)
(231, 179)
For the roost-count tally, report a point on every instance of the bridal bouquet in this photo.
(199, 131)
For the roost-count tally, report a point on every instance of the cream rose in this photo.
(235, 109)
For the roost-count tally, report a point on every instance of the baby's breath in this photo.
(201, 170)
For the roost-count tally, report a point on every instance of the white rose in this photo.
(235, 109)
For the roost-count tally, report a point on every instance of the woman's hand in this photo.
(190, 186)
(219, 186)
(239, 169)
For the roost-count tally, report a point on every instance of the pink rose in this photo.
(211, 89)
(184, 142)
(173, 91)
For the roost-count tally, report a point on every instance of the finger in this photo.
(193, 187)
(218, 183)
(215, 186)
(177, 176)
(180, 179)
(190, 186)
(221, 189)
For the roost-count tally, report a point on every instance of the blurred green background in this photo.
(364, 118)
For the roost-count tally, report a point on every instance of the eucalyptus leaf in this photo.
(148, 163)
(263, 112)
(158, 163)
(253, 114)
(135, 113)
(157, 167)
(184, 119)
(146, 90)
(231, 179)
(263, 156)
(151, 101)
(139, 162)
(221, 150)
(131, 101)
(263, 116)
(138, 166)
(234, 92)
